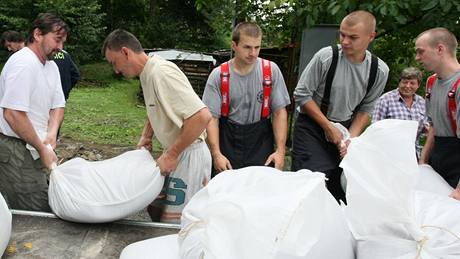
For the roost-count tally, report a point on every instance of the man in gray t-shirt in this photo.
(436, 49)
(317, 144)
(241, 133)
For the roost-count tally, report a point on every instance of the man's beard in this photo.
(51, 55)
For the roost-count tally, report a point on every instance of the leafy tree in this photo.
(398, 22)
(83, 17)
(85, 20)
(15, 15)
(162, 24)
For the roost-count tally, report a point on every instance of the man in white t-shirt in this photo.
(176, 117)
(31, 110)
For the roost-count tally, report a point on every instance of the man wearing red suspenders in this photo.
(247, 97)
(436, 51)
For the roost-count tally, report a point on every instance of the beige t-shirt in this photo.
(169, 99)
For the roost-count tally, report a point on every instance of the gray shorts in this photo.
(23, 181)
(191, 175)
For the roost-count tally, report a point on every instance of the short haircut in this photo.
(411, 73)
(443, 36)
(12, 36)
(120, 38)
(361, 16)
(46, 23)
(247, 28)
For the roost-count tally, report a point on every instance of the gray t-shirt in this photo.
(437, 109)
(348, 87)
(246, 93)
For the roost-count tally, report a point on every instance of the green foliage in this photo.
(83, 17)
(97, 75)
(85, 21)
(398, 22)
(162, 24)
(15, 15)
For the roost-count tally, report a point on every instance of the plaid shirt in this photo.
(392, 106)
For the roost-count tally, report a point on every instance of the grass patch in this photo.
(104, 110)
(109, 115)
(97, 75)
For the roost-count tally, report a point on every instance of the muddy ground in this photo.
(68, 148)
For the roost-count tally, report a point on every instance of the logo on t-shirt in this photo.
(260, 96)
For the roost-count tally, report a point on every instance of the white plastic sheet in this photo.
(5, 225)
(430, 181)
(388, 216)
(104, 191)
(260, 212)
(165, 247)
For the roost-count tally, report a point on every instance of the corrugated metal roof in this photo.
(182, 55)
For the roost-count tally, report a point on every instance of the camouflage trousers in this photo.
(23, 181)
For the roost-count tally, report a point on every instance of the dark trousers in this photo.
(445, 159)
(23, 180)
(311, 150)
(246, 145)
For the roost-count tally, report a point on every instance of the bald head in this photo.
(360, 16)
(442, 36)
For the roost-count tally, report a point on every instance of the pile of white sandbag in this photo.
(5, 225)
(430, 181)
(104, 191)
(165, 247)
(396, 209)
(261, 212)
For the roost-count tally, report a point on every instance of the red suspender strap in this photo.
(453, 106)
(224, 89)
(429, 85)
(267, 83)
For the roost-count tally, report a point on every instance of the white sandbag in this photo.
(261, 212)
(430, 181)
(165, 247)
(387, 215)
(5, 225)
(104, 191)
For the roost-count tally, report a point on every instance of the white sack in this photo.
(387, 216)
(165, 247)
(104, 191)
(5, 225)
(261, 212)
(430, 181)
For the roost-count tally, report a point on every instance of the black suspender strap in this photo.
(329, 77)
(331, 73)
(373, 73)
(371, 80)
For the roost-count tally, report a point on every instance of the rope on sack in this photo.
(183, 233)
(420, 245)
(422, 242)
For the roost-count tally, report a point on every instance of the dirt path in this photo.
(69, 148)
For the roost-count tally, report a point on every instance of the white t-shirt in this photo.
(28, 85)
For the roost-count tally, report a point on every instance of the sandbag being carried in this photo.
(5, 225)
(388, 215)
(104, 191)
(261, 212)
(430, 181)
(165, 247)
